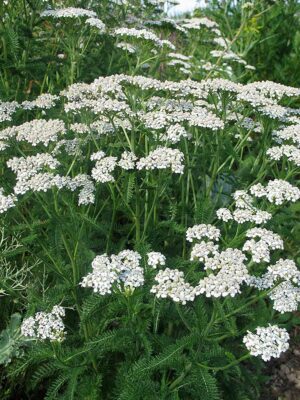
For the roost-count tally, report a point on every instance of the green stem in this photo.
(232, 364)
(181, 377)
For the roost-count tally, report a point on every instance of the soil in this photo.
(285, 374)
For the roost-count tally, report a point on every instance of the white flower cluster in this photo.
(126, 47)
(225, 259)
(175, 133)
(104, 167)
(27, 169)
(6, 202)
(267, 342)
(32, 164)
(169, 105)
(102, 127)
(245, 210)
(29, 177)
(171, 284)
(197, 232)
(127, 160)
(45, 101)
(174, 111)
(221, 85)
(203, 118)
(227, 55)
(273, 89)
(260, 250)
(275, 111)
(197, 23)
(288, 133)
(283, 270)
(203, 250)
(162, 158)
(7, 108)
(87, 192)
(261, 103)
(286, 297)
(99, 105)
(70, 146)
(179, 56)
(292, 153)
(97, 23)
(102, 277)
(121, 268)
(155, 259)
(87, 96)
(250, 67)
(164, 21)
(130, 272)
(156, 119)
(40, 182)
(45, 325)
(184, 66)
(36, 131)
(143, 34)
(242, 199)
(231, 275)
(69, 12)
(277, 191)
(79, 128)
(224, 214)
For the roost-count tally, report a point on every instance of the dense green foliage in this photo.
(270, 36)
(131, 344)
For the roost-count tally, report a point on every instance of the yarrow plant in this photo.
(154, 200)
(267, 342)
(45, 325)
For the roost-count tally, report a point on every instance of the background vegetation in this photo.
(135, 346)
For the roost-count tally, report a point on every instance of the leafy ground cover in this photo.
(149, 198)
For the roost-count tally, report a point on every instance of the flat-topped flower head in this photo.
(44, 326)
(273, 89)
(127, 160)
(102, 172)
(204, 250)
(69, 12)
(277, 191)
(156, 259)
(291, 152)
(232, 273)
(126, 47)
(162, 158)
(224, 214)
(175, 133)
(286, 297)
(198, 232)
(143, 34)
(171, 284)
(44, 101)
(96, 23)
(122, 269)
(267, 343)
(260, 249)
(7, 109)
(244, 211)
(37, 131)
(288, 134)
(243, 199)
(283, 270)
(6, 201)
